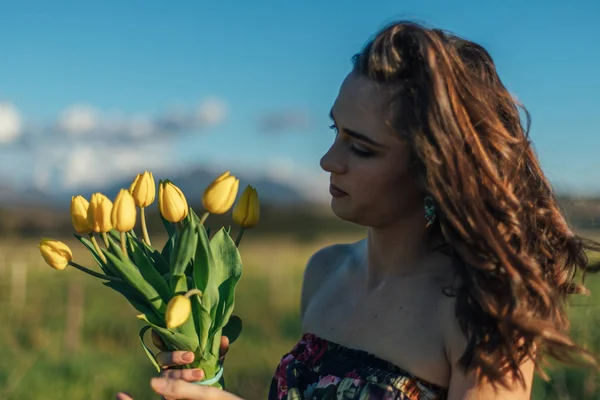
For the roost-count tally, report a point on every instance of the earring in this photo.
(429, 210)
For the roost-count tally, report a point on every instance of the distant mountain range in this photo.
(31, 212)
(283, 205)
(192, 183)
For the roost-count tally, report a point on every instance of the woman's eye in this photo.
(361, 153)
(355, 150)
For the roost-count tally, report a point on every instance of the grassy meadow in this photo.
(65, 336)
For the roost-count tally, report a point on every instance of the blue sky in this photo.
(70, 72)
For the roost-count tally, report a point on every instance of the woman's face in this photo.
(367, 160)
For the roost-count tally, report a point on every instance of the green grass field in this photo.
(65, 336)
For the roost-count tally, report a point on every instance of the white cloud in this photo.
(78, 166)
(281, 169)
(141, 126)
(10, 123)
(98, 166)
(83, 123)
(78, 119)
(82, 120)
(312, 184)
(212, 111)
(284, 120)
(85, 147)
(42, 177)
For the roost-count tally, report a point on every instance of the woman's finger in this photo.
(178, 389)
(171, 358)
(123, 396)
(157, 340)
(190, 375)
(224, 348)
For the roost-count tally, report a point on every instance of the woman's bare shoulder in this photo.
(323, 264)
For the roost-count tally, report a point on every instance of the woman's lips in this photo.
(336, 191)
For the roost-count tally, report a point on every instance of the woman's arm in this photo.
(319, 266)
(466, 387)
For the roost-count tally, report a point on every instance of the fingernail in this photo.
(158, 383)
(198, 374)
(188, 356)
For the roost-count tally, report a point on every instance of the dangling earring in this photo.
(429, 211)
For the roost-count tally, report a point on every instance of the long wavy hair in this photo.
(517, 255)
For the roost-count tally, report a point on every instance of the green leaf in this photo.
(183, 254)
(168, 248)
(213, 318)
(90, 246)
(132, 276)
(168, 225)
(173, 340)
(184, 248)
(146, 349)
(227, 270)
(192, 217)
(214, 349)
(203, 270)
(233, 328)
(226, 303)
(134, 298)
(116, 235)
(202, 322)
(159, 262)
(148, 271)
(228, 261)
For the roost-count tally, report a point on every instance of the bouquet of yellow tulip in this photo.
(186, 291)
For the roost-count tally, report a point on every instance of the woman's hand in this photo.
(173, 383)
(177, 389)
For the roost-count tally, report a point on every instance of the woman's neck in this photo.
(397, 250)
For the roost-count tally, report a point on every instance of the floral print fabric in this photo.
(317, 369)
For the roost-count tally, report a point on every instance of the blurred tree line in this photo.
(304, 221)
(301, 221)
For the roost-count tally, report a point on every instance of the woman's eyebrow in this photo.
(357, 135)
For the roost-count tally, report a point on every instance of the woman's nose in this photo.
(333, 162)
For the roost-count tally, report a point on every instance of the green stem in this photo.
(93, 273)
(144, 228)
(95, 243)
(192, 292)
(123, 244)
(203, 218)
(105, 240)
(239, 236)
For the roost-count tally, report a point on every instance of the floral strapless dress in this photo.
(317, 369)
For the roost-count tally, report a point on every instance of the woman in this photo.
(459, 289)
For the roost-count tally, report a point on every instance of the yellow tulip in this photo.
(220, 194)
(99, 212)
(143, 190)
(171, 202)
(79, 210)
(178, 311)
(55, 253)
(123, 212)
(246, 212)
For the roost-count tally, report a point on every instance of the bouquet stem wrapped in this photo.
(184, 292)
